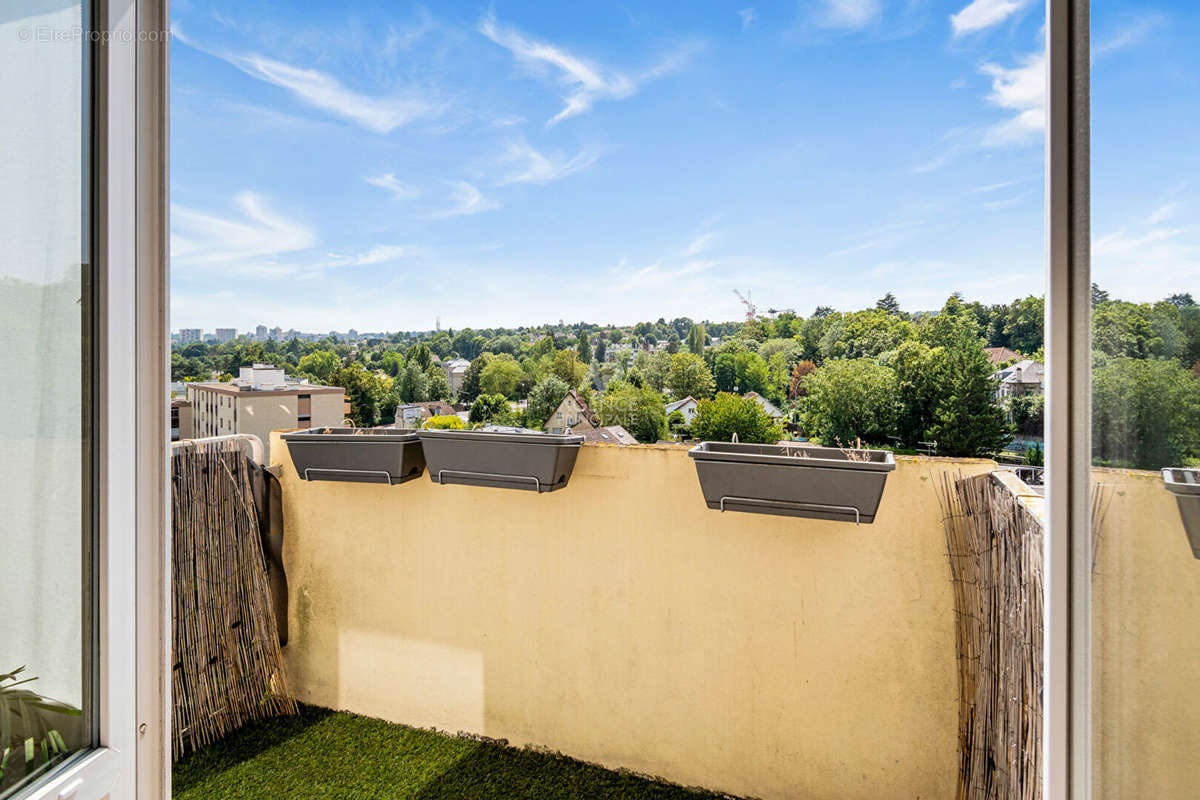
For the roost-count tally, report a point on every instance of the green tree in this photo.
(689, 375)
(889, 304)
(654, 368)
(565, 364)
(421, 355)
(725, 372)
(584, 347)
(439, 387)
(727, 415)
(918, 390)
(862, 333)
(696, 339)
(364, 391)
(850, 399)
(412, 384)
(491, 409)
(800, 372)
(967, 421)
(601, 350)
(544, 398)
(470, 388)
(752, 373)
(501, 375)
(638, 410)
(1145, 413)
(1025, 326)
(320, 364)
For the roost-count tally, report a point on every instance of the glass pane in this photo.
(1146, 399)
(45, 484)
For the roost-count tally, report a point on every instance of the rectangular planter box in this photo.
(792, 481)
(356, 455)
(506, 458)
(1185, 485)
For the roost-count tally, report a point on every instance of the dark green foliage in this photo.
(967, 421)
(1035, 455)
(543, 399)
(917, 390)
(1145, 413)
(638, 410)
(1028, 412)
(326, 755)
(470, 388)
(849, 399)
(717, 420)
(584, 347)
(365, 393)
(491, 409)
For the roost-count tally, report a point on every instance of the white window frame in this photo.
(132, 758)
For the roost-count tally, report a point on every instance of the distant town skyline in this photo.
(379, 165)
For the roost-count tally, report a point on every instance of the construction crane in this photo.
(751, 310)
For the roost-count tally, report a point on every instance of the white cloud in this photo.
(847, 14)
(1121, 242)
(1021, 89)
(1162, 213)
(1010, 201)
(991, 187)
(380, 254)
(585, 82)
(388, 181)
(1132, 32)
(658, 275)
(698, 245)
(465, 200)
(252, 241)
(321, 90)
(532, 166)
(981, 14)
(748, 16)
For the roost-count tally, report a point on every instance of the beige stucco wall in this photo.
(622, 622)
(1146, 645)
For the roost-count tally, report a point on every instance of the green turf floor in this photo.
(325, 754)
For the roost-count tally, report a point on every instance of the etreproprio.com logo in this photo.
(51, 34)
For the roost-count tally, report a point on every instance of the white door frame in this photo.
(129, 175)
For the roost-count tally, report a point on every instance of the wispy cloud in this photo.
(388, 182)
(380, 114)
(847, 14)
(1162, 213)
(1007, 202)
(1132, 31)
(465, 200)
(992, 187)
(1021, 89)
(380, 254)
(981, 14)
(888, 235)
(532, 166)
(252, 240)
(748, 16)
(658, 274)
(586, 83)
(698, 245)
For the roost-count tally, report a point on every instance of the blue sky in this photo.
(377, 165)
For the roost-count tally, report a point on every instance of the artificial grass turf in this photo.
(326, 754)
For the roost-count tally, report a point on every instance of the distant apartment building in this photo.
(260, 400)
(226, 335)
(182, 425)
(189, 335)
(260, 333)
(456, 372)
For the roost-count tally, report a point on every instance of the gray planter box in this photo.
(357, 455)
(506, 458)
(1185, 485)
(793, 481)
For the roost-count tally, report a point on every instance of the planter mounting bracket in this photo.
(536, 482)
(387, 475)
(775, 503)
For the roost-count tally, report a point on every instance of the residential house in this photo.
(1019, 379)
(572, 413)
(609, 434)
(766, 404)
(687, 406)
(1001, 355)
(182, 426)
(411, 415)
